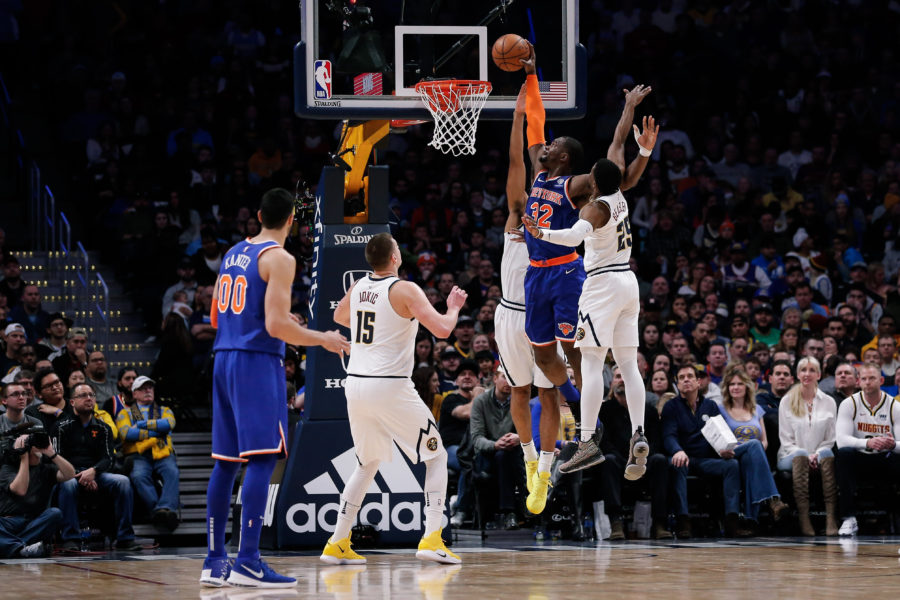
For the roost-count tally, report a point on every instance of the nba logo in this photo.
(323, 79)
(350, 278)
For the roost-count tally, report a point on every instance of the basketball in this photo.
(508, 50)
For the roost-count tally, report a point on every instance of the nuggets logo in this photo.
(431, 444)
(322, 73)
(566, 328)
(579, 335)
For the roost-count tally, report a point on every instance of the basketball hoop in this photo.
(455, 105)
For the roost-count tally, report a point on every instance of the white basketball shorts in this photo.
(387, 410)
(516, 353)
(608, 311)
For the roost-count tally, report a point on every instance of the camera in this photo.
(37, 438)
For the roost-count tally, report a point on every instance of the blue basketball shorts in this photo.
(249, 405)
(551, 302)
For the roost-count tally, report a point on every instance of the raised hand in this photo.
(532, 226)
(333, 341)
(456, 299)
(647, 137)
(520, 101)
(529, 63)
(636, 94)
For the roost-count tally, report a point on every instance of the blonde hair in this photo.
(793, 398)
(749, 399)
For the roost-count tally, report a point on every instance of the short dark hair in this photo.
(379, 249)
(574, 149)
(4, 390)
(122, 372)
(276, 207)
(40, 376)
(607, 176)
(784, 363)
(690, 366)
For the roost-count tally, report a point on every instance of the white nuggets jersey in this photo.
(382, 343)
(609, 247)
(868, 423)
(513, 266)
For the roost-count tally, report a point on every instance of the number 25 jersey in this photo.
(610, 246)
(241, 301)
(382, 343)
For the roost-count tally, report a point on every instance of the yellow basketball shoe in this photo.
(530, 471)
(340, 553)
(431, 547)
(537, 499)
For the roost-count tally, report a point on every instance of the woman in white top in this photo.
(806, 428)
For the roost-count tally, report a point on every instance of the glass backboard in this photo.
(360, 60)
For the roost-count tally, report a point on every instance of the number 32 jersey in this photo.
(549, 204)
(610, 245)
(241, 301)
(382, 343)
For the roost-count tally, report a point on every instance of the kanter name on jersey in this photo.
(241, 261)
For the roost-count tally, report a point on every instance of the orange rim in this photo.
(444, 93)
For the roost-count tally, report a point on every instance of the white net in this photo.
(455, 107)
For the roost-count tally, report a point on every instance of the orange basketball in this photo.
(508, 50)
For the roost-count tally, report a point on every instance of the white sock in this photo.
(635, 396)
(352, 498)
(592, 360)
(530, 452)
(345, 520)
(545, 461)
(435, 491)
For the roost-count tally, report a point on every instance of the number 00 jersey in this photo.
(241, 299)
(609, 247)
(382, 343)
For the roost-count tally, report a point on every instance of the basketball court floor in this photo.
(762, 568)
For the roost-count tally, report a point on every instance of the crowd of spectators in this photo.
(766, 224)
(63, 458)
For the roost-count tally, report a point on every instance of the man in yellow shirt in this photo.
(144, 429)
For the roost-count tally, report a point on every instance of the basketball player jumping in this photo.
(609, 305)
(252, 312)
(383, 313)
(516, 354)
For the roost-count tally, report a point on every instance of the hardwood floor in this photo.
(762, 568)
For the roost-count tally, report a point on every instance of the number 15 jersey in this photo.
(382, 343)
(241, 301)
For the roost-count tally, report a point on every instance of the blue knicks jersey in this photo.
(241, 297)
(550, 206)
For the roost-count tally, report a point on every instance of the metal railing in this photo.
(85, 294)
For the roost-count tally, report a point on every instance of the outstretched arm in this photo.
(277, 269)
(534, 109)
(646, 140)
(593, 216)
(616, 151)
(516, 175)
(409, 301)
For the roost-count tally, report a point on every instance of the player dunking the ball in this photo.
(516, 354)
(252, 312)
(609, 305)
(383, 313)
